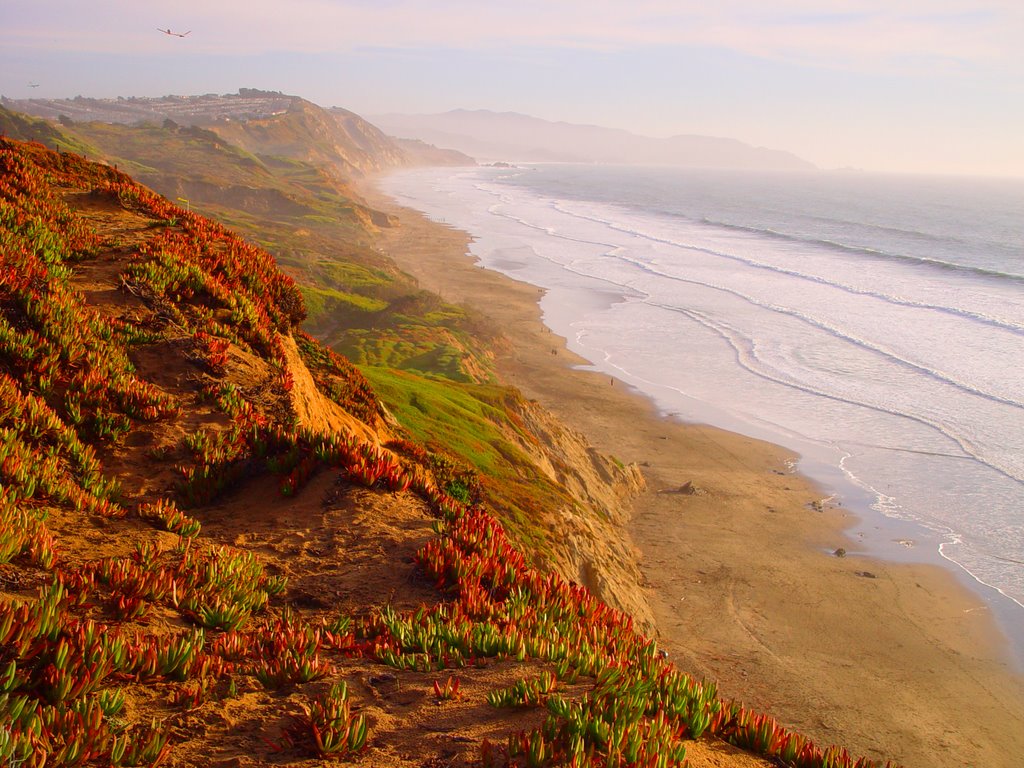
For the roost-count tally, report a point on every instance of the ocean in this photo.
(872, 324)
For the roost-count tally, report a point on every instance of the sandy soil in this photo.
(892, 661)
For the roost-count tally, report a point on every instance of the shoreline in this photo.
(892, 660)
(875, 536)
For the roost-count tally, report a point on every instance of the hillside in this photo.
(261, 123)
(220, 548)
(511, 136)
(303, 210)
(306, 132)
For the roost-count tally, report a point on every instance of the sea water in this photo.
(873, 324)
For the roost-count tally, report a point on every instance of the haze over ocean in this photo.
(874, 324)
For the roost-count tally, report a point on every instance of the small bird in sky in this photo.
(175, 34)
(33, 85)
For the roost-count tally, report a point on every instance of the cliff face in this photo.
(380, 151)
(422, 153)
(307, 132)
(590, 547)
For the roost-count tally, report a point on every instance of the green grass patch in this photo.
(465, 420)
(316, 218)
(326, 300)
(448, 316)
(416, 352)
(445, 413)
(353, 276)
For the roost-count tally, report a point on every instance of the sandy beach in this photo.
(892, 661)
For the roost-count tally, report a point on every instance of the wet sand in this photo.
(892, 661)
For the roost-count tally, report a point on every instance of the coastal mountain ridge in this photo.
(255, 151)
(511, 136)
(263, 122)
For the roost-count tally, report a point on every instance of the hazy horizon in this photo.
(893, 87)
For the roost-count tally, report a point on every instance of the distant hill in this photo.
(213, 173)
(310, 133)
(259, 122)
(490, 135)
(420, 153)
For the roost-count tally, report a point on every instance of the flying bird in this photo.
(175, 34)
(33, 85)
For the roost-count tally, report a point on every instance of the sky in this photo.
(918, 86)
